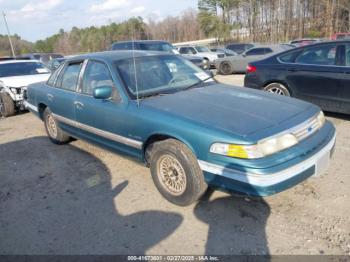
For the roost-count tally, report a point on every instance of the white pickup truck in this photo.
(15, 76)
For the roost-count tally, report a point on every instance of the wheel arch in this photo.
(161, 136)
(278, 81)
(41, 109)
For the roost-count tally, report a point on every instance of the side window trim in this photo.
(115, 94)
(58, 72)
(64, 68)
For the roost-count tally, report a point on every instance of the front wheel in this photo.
(278, 89)
(54, 132)
(7, 106)
(176, 173)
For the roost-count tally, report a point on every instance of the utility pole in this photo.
(8, 34)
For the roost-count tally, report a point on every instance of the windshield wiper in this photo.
(198, 83)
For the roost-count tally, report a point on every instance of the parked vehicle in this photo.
(15, 76)
(42, 57)
(318, 73)
(238, 64)
(6, 58)
(340, 36)
(226, 51)
(304, 41)
(191, 131)
(239, 48)
(156, 45)
(202, 52)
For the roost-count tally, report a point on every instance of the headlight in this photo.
(273, 144)
(261, 149)
(321, 119)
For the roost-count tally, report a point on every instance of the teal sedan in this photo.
(191, 131)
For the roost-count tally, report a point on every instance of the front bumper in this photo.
(268, 184)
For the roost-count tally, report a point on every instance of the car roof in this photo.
(18, 61)
(141, 41)
(112, 56)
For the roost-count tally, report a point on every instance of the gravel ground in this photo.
(79, 199)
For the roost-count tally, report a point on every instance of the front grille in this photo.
(306, 129)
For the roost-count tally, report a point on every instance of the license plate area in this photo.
(322, 163)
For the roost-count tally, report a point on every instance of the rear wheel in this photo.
(225, 68)
(176, 173)
(278, 89)
(7, 106)
(54, 132)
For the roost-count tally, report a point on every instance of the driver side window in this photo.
(96, 75)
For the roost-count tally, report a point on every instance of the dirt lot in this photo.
(79, 199)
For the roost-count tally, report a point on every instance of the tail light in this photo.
(251, 69)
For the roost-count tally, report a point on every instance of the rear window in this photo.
(21, 69)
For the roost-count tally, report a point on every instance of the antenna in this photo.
(8, 34)
(135, 71)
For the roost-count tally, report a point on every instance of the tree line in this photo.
(227, 20)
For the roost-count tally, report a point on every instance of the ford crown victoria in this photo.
(191, 131)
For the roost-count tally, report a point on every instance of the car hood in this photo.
(21, 81)
(234, 110)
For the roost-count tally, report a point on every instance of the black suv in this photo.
(157, 45)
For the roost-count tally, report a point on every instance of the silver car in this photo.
(239, 63)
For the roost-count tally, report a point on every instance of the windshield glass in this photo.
(159, 74)
(202, 49)
(165, 47)
(23, 68)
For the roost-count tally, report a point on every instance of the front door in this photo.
(102, 121)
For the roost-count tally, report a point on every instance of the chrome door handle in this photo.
(78, 104)
(50, 97)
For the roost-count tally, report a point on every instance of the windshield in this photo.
(159, 74)
(23, 68)
(202, 49)
(165, 47)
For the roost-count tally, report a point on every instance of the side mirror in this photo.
(102, 92)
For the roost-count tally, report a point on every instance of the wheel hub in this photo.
(51, 126)
(171, 175)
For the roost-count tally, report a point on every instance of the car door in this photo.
(102, 121)
(345, 82)
(315, 76)
(61, 98)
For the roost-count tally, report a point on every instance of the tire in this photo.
(278, 89)
(225, 68)
(54, 132)
(176, 173)
(7, 106)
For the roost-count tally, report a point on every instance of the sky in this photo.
(38, 19)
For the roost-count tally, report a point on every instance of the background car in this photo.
(304, 41)
(226, 51)
(160, 46)
(319, 73)
(340, 36)
(15, 76)
(42, 57)
(201, 51)
(238, 64)
(239, 48)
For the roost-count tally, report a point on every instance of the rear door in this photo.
(61, 98)
(316, 75)
(345, 82)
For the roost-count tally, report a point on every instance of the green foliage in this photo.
(92, 39)
(20, 46)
